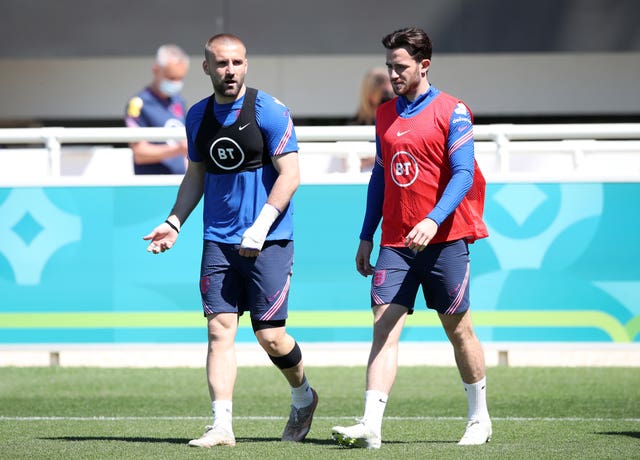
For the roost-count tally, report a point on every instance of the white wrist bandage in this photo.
(254, 236)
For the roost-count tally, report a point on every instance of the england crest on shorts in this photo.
(205, 284)
(379, 276)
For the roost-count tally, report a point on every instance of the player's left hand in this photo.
(420, 235)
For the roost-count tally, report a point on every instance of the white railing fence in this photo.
(504, 151)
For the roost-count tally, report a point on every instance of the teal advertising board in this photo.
(561, 264)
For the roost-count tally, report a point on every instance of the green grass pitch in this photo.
(98, 413)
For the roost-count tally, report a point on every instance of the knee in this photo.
(461, 336)
(269, 343)
(220, 330)
(271, 335)
(274, 341)
(383, 330)
(289, 360)
(380, 334)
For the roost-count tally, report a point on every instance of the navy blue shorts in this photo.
(441, 269)
(231, 283)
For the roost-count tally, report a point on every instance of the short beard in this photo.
(221, 89)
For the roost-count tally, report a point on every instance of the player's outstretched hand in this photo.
(161, 239)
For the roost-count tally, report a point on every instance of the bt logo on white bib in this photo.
(226, 154)
(404, 169)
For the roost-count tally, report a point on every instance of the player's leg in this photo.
(221, 358)
(382, 367)
(467, 349)
(282, 349)
(221, 377)
(268, 297)
(388, 321)
(447, 291)
(469, 358)
(392, 287)
(286, 355)
(219, 287)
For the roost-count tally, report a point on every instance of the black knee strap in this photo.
(289, 360)
(258, 325)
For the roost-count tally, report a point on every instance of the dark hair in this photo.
(414, 40)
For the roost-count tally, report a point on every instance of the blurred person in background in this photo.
(375, 89)
(161, 105)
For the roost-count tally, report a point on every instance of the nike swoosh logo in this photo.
(243, 127)
(402, 133)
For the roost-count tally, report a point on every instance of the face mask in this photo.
(170, 87)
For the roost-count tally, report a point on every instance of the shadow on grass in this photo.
(330, 441)
(631, 434)
(170, 440)
(144, 439)
(118, 438)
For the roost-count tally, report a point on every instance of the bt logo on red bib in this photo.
(404, 169)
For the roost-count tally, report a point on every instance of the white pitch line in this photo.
(260, 417)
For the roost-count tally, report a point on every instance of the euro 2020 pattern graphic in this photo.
(560, 264)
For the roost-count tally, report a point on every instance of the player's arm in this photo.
(287, 182)
(164, 236)
(372, 216)
(375, 198)
(190, 192)
(279, 198)
(461, 160)
(460, 152)
(276, 125)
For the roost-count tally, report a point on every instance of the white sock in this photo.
(374, 404)
(477, 399)
(222, 411)
(301, 396)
